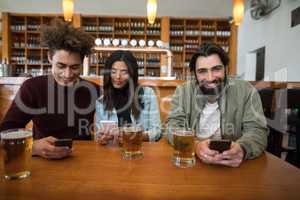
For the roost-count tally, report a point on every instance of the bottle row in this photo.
(20, 71)
(176, 48)
(193, 47)
(200, 33)
(141, 72)
(18, 28)
(137, 25)
(151, 60)
(120, 27)
(191, 27)
(20, 58)
(32, 42)
(22, 27)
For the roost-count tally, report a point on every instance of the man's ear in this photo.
(49, 57)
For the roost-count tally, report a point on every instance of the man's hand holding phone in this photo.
(222, 152)
(46, 148)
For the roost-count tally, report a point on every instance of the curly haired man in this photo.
(60, 105)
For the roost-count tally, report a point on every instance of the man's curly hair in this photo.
(63, 36)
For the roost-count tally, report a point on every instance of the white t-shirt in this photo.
(210, 122)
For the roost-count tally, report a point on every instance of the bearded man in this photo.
(218, 107)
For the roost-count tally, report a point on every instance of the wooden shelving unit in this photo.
(128, 28)
(1, 35)
(22, 44)
(21, 38)
(187, 34)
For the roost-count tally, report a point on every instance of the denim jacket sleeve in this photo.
(99, 113)
(151, 121)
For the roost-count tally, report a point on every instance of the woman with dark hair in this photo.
(124, 100)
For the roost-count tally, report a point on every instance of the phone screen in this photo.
(220, 145)
(63, 143)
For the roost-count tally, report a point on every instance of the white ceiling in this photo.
(185, 8)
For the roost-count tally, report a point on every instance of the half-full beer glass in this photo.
(16, 147)
(184, 151)
(132, 139)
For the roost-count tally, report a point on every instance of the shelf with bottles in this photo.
(137, 26)
(34, 70)
(191, 45)
(154, 29)
(33, 57)
(140, 57)
(106, 25)
(152, 72)
(187, 59)
(177, 45)
(192, 28)
(33, 40)
(45, 61)
(122, 26)
(177, 27)
(224, 43)
(18, 40)
(18, 70)
(90, 24)
(208, 28)
(207, 39)
(18, 43)
(223, 29)
(25, 49)
(17, 24)
(18, 57)
(33, 24)
(153, 60)
(177, 60)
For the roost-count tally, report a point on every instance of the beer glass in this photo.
(132, 139)
(184, 151)
(16, 147)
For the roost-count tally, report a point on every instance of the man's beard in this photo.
(216, 91)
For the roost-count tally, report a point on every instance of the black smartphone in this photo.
(64, 143)
(220, 145)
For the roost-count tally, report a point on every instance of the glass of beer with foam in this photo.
(184, 150)
(16, 147)
(132, 139)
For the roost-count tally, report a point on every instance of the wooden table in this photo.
(98, 172)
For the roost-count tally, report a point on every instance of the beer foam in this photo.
(16, 135)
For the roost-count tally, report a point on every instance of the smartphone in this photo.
(107, 126)
(64, 143)
(220, 145)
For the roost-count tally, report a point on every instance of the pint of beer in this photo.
(16, 146)
(184, 152)
(132, 138)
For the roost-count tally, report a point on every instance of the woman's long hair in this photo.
(133, 88)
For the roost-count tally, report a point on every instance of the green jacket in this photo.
(242, 117)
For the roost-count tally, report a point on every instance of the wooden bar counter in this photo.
(98, 172)
(163, 87)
